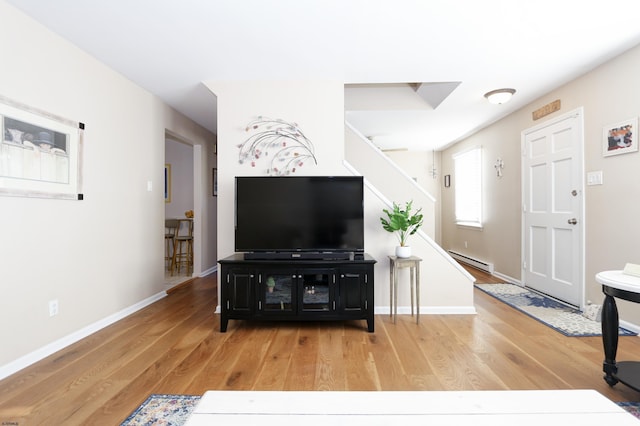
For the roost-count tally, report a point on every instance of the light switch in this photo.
(594, 178)
(149, 185)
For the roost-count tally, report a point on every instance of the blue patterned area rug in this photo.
(552, 313)
(631, 407)
(169, 410)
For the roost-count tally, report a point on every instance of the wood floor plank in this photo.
(272, 374)
(174, 346)
(304, 354)
(390, 372)
(330, 368)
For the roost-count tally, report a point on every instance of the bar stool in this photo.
(170, 231)
(183, 247)
(396, 263)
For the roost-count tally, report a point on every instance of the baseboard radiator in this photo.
(476, 263)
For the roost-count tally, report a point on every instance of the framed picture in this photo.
(167, 183)
(215, 182)
(620, 138)
(40, 153)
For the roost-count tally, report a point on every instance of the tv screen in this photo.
(289, 214)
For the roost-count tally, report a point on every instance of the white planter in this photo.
(403, 251)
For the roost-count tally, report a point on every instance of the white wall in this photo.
(609, 94)
(99, 256)
(318, 108)
(418, 165)
(315, 106)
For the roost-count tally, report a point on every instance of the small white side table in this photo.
(396, 263)
(626, 287)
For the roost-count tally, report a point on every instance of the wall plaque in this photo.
(546, 110)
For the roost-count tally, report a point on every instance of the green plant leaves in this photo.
(402, 221)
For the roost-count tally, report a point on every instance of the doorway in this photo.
(179, 159)
(553, 208)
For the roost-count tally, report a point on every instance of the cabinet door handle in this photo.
(350, 275)
(259, 305)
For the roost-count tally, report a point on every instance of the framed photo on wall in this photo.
(40, 153)
(620, 138)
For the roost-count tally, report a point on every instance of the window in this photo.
(468, 187)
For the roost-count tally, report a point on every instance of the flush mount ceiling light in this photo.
(499, 96)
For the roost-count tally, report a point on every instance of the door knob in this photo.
(572, 221)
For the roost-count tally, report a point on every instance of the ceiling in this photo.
(415, 70)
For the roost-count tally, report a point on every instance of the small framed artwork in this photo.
(447, 181)
(620, 138)
(167, 183)
(215, 182)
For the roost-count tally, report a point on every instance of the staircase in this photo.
(447, 288)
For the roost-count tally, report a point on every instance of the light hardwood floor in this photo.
(174, 346)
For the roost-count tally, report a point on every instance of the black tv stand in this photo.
(295, 289)
(300, 255)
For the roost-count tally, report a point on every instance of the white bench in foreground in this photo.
(478, 408)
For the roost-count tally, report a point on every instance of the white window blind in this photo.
(468, 187)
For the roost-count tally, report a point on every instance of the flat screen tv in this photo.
(299, 214)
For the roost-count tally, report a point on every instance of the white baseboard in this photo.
(630, 326)
(507, 278)
(429, 310)
(39, 354)
(208, 271)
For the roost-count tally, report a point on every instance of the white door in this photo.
(553, 202)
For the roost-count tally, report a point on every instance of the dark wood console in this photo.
(616, 284)
(297, 290)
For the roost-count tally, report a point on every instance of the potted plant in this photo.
(271, 283)
(404, 223)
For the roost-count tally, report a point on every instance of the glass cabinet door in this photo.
(316, 291)
(278, 292)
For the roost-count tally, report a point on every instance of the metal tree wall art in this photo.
(280, 143)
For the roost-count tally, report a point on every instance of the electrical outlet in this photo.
(53, 308)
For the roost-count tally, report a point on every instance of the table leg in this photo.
(391, 278)
(610, 324)
(418, 293)
(395, 296)
(411, 284)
